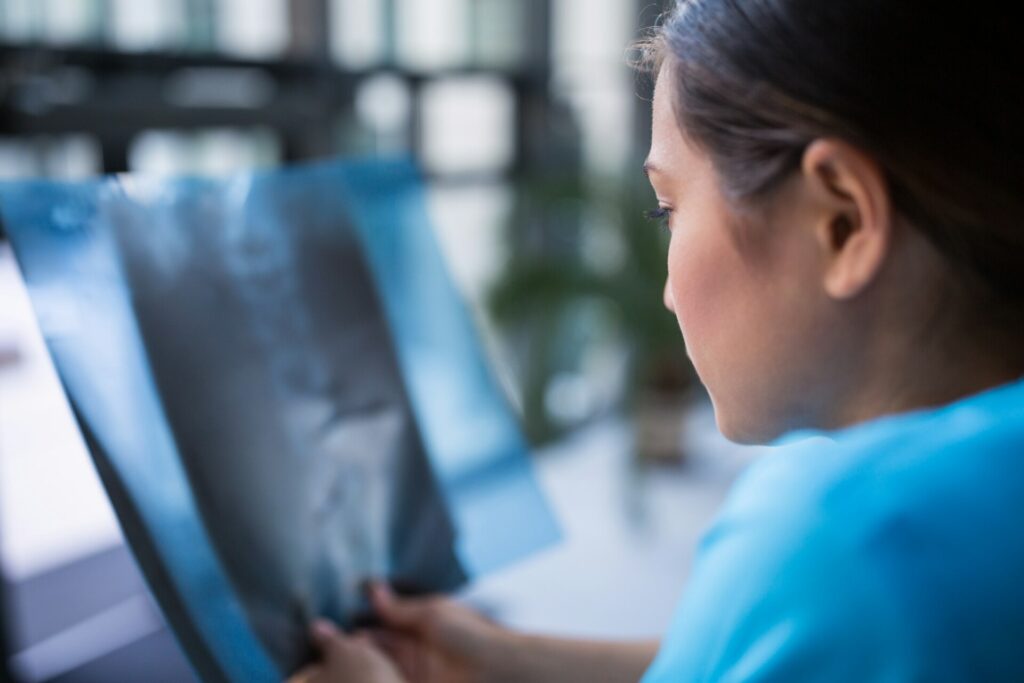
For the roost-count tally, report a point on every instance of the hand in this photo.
(435, 640)
(345, 659)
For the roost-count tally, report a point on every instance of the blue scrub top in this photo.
(890, 552)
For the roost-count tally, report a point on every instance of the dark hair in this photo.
(934, 91)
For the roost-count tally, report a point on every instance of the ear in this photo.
(855, 222)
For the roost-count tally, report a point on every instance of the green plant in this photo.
(586, 268)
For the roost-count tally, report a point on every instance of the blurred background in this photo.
(530, 129)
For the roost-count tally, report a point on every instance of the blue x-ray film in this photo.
(475, 444)
(282, 392)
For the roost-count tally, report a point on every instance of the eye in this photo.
(660, 214)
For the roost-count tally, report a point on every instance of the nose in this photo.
(666, 297)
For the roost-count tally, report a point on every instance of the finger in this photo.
(362, 639)
(391, 642)
(405, 651)
(383, 641)
(323, 631)
(333, 642)
(325, 635)
(383, 638)
(397, 612)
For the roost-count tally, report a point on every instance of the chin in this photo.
(745, 431)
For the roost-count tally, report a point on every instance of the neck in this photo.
(931, 373)
(924, 339)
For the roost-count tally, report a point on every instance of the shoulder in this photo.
(852, 553)
(966, 455)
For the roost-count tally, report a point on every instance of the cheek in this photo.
(703, 290)
(723, 311)
(746, 320)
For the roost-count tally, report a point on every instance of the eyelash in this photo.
(660, 214)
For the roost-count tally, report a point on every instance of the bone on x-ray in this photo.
(282, 392)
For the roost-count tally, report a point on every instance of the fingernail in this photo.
(323, 629)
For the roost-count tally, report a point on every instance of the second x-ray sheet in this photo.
(282, 392)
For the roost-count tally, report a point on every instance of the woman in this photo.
(844, 186)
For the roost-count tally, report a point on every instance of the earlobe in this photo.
(855, 223)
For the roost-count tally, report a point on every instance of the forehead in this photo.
(670, 151)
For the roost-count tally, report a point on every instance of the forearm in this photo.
(540, 659)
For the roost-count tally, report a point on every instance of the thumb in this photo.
(395, 611)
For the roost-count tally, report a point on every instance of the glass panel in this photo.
(432, 34)
(468, 125)
(590, 73)
(22, 20)
(252, 28)
(499, 34)
(147, 24)
(18, 159)
(358, 32)
(200, 25)
(69, 22)
(212, 152)
(383, 105)
(72, 157)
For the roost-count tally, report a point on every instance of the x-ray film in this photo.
(282, 392)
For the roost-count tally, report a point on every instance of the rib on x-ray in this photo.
(282, 393)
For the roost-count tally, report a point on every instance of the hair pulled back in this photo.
(934, 91)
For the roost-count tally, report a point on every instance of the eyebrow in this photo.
(650, 166)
